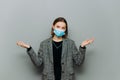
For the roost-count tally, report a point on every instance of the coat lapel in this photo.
(50, 49)
(64, 46)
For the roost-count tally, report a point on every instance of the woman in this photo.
(57, 53)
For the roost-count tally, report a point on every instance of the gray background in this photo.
(31, 20)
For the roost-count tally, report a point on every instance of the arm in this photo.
(36, 59)
(78, 55)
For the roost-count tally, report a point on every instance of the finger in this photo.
(92, 39)
(18, 43)
(87, 40)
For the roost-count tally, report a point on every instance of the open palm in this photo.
(86, 42)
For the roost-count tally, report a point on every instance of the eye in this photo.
(58, 26)
(63, 28)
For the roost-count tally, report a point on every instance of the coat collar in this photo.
(64, 46)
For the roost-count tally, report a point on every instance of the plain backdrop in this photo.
(31, 20)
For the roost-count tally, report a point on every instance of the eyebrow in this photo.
(59, 26)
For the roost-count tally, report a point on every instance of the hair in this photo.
(60, 19)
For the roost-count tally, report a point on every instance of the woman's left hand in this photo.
(86, 42)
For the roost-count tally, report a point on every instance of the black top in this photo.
(57, 52)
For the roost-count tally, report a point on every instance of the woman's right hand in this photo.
(22, 44)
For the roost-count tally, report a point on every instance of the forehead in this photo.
(61, 24)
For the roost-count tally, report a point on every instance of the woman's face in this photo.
(60, 25)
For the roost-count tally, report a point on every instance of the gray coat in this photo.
(70, 55)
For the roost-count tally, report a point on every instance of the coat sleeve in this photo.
(78, 55)
(37, 59)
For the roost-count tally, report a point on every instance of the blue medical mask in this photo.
(59, 32)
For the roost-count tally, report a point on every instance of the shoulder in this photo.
(69, 40)
(45, 40)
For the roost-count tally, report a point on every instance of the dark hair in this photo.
(60, 19)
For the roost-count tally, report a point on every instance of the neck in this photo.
(57, 39)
